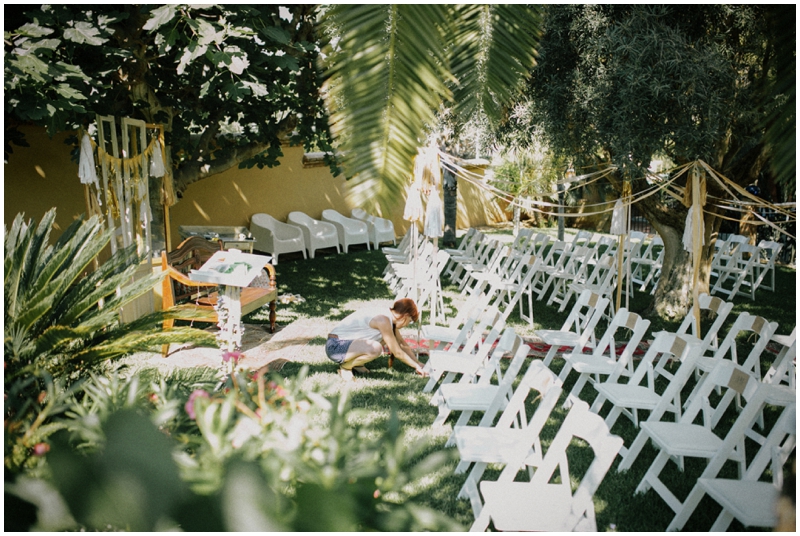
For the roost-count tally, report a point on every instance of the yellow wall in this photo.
(42, 176)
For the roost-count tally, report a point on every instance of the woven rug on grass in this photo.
(538, 349)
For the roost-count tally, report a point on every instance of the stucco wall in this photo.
(42, 176)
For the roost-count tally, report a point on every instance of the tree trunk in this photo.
(450, 208)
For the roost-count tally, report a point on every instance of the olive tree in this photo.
(622, 85)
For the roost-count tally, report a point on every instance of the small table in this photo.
(231, 237)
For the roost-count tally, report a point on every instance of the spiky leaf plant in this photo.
(61, 319)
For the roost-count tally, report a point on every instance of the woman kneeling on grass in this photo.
(357, 339)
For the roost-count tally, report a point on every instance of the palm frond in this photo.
(387, 79)
(493, 52)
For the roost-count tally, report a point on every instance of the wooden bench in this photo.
(195, 301)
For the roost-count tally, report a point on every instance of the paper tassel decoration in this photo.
(87, 171)
(688, 231)
(434, 215)
(413, 209)
(619, 218)
(157, 162)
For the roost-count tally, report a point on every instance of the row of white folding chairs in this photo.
(505, 435)
(720, 371)
(744, 267)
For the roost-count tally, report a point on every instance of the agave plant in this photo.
(61, 319)
(393, 66)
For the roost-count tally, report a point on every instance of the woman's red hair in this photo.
(406, 306)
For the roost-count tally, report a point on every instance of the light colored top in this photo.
(356, 325)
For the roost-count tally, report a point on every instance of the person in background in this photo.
(359, 338)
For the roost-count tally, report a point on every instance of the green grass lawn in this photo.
(335, 285)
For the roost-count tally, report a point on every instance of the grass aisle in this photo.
(335, 285)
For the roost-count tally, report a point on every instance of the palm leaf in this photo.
(493, 52)
(387, 80)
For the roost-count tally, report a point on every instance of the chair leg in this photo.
(272, 307)
(166, 326)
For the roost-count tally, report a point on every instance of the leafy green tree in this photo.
(230, 82)
(393, 67)
(623, 85)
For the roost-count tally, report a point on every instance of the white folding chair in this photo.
(745, 322)
(783, 369)
(765, 265)
(446, 366)
(750, 500)
(546, 504)
(601, 281)
(740, 272)
(641, 393)
(490, 443)
(599, 363)
(474, 391)
(676, 440)
(710, 341)
(648, 264)
(578, 328)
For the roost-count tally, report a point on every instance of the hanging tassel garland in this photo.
(87, 171)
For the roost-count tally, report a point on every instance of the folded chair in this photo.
(740, 272)
(783, 369)
(765, 265)
(544, 503)
(601, 281)
(599, 363)
(748, 325)
(749, 499)
(513, 433)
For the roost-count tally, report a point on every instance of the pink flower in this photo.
(227, 356)
(197, 393)
(40, 449)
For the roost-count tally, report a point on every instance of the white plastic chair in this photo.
(540, 504)
(783, 369)
(317, 234)
(513, 433)
(275, 237)
(351, 232)
(599, 363)
(751, 501)
(380, 229)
